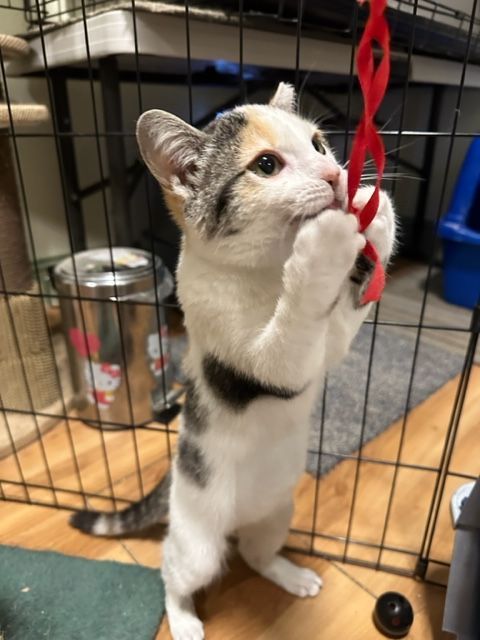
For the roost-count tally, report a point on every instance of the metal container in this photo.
(116, 334)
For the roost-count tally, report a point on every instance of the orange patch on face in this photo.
(175, 205)
(259, 135)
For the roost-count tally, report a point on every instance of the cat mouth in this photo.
(303, 218)
(300, 219)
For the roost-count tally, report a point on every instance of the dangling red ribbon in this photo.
(373, 82)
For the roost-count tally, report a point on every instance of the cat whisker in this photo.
(390, 174)
(385, 124)
(417, 178)
(323, 117)
(303, 85)
(401, 147)
(391, 177)
(370, 161)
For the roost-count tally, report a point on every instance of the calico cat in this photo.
(270, 277)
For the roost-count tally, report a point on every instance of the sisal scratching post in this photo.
(15, 269)
(28, 380)
(13, 47)
(23, 115)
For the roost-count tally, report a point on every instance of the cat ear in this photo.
(284, 98)
(169, 147)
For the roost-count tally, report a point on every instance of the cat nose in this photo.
(332, 176)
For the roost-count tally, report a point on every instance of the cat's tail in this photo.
(148, 511)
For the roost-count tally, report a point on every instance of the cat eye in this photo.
(319, 146)
(266, 165)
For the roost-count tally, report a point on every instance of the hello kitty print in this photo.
(158, 353)
(102, 378)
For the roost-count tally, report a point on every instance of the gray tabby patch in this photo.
(191, 462)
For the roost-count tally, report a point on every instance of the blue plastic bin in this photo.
(460, 232)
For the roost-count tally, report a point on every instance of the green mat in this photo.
(49, 595)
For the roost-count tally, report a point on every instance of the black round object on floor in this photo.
(393, 614)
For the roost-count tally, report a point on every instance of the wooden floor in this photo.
(243, 606)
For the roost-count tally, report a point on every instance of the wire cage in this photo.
(439, 28)
(95, 82)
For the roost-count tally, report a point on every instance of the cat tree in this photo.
(28, 377)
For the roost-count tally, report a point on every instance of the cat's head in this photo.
(240, 188)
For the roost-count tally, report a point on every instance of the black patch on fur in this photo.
(220, 170)
(360, 278)
(194, 413)
(237, 389)
(191, 462)
(363, 270)
(226, 126)
(224, 198)
(144, 513)
(84, 520)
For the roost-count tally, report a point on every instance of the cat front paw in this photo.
(329, 244)
(324, 252)
(381, 231)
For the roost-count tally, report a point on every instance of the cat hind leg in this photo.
(192, 558)
(259, 545)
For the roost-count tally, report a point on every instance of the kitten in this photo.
(270, 277)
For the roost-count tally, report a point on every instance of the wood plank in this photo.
(40, 528)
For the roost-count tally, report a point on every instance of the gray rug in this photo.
(390, 375)
(345, 398)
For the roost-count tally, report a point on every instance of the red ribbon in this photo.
(373, 82)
